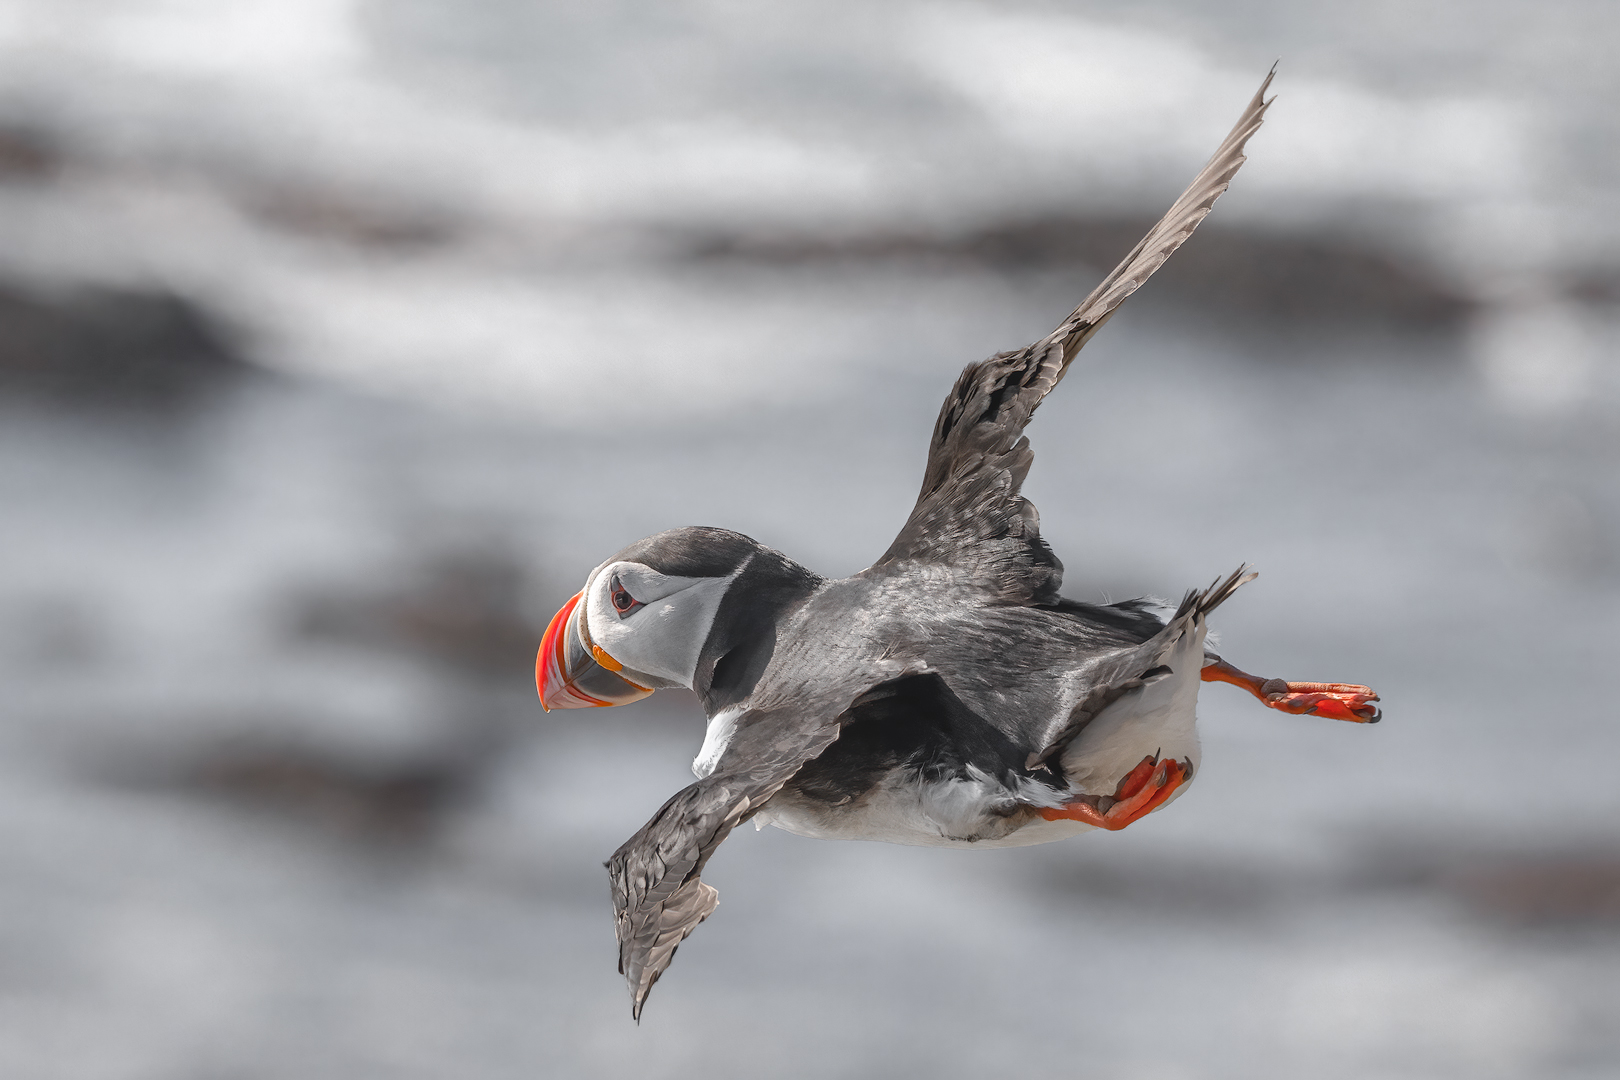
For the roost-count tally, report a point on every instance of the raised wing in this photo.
(658, 896)
(970, 513)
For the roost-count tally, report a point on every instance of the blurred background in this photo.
(340, 339)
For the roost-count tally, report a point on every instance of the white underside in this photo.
(952, 814)
(1159, 720)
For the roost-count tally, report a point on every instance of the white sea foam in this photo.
(554, 163)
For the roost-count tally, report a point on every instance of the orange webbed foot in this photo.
(1142, 790)
(1337, 701)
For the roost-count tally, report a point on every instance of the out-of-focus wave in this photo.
(441, 200)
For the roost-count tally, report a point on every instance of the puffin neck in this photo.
(742, 639)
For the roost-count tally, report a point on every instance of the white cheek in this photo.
(663, 639)
(604, 624)
(668, 636)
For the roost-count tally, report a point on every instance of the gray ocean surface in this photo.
(340, 340)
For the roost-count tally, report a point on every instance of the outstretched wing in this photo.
(970, 513)
(658, 894)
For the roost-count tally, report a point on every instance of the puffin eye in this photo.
(623, 602)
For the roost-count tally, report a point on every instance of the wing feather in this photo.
(970, 513)
(659, 896)
(1162, 240)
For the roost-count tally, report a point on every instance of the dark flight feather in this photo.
(658, 894)
(969, 513)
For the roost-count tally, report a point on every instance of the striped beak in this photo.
(570, 672)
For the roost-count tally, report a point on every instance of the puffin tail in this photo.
(1143, 663)
(1202, 602)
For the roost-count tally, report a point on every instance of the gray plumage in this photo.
(952, 663)
(1127, 670)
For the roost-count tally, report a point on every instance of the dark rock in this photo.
(28, 155)
(348, 219)
(1562, 886)
(1596, 285)
(1278, 275)
(1187, 888)
(463, 610)
(111, 347)
(397, 801)
(1526, 888)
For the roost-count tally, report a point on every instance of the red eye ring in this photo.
(621, 599)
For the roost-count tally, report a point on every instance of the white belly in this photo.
(1160, 720)
(904, 810)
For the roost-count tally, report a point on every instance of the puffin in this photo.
(948, 695)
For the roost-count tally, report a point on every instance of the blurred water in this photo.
(424, 197)
(277, 798)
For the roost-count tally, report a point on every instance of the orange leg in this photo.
(1337, 701)
(1142, 791)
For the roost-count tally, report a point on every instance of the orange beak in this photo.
(572, 673)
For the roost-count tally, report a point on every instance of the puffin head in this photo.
(663, 613)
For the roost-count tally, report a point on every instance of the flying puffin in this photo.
(947, 695)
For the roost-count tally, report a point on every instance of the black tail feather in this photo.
(1217, 594)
